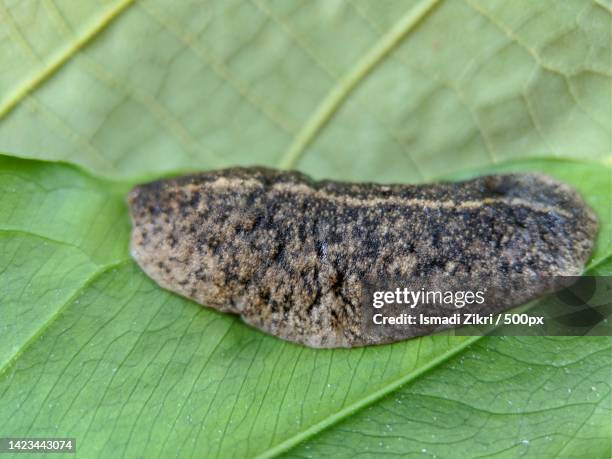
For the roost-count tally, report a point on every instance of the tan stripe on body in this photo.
(238, 183)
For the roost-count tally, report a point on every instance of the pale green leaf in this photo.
(133, 88)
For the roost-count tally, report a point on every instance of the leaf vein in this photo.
(55, 64)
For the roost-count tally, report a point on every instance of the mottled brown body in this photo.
(293, 256)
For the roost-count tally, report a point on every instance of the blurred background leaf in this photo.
(391, 90)
(359, 90)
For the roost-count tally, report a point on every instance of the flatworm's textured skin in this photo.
(293, 256)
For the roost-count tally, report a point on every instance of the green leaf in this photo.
(503, 397)
(360, 90)
(129, 88)
(92, 349)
